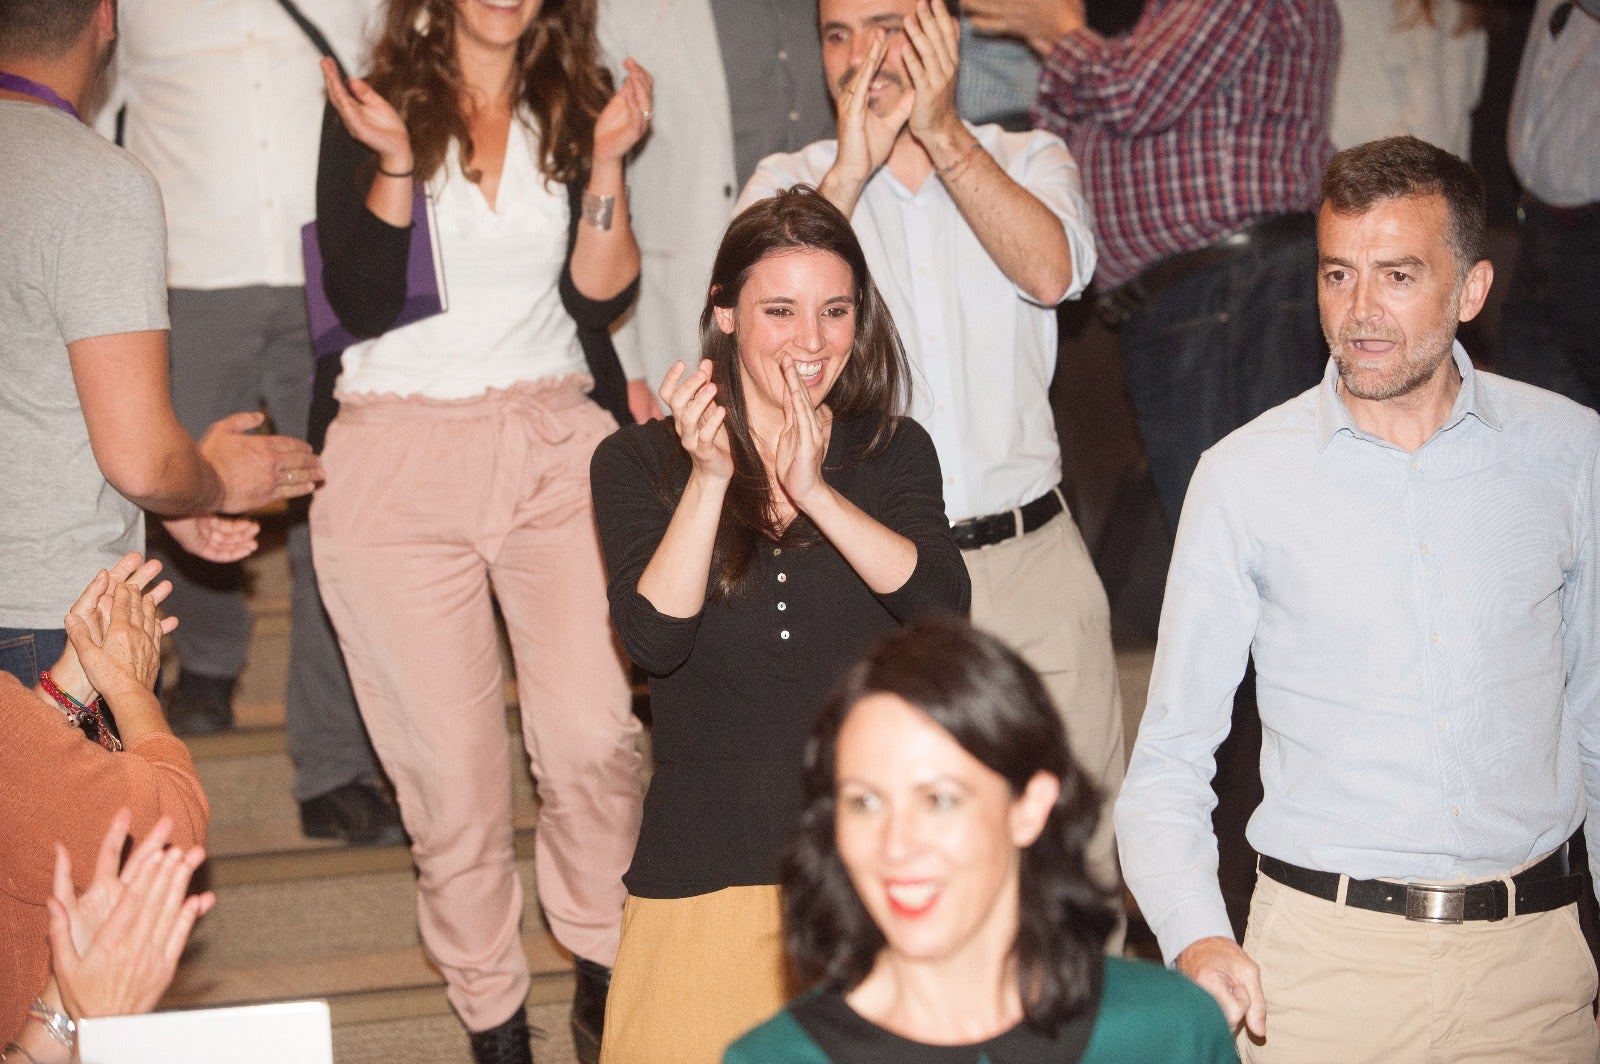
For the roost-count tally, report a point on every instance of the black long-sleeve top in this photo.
(364, 263)
(734, 689)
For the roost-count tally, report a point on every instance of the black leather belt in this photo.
(1550, 884)
(1115, 307)
(977, 532)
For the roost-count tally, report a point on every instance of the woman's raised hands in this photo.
(803, 442)
(699, 419)
(626, 118)
(370, 119)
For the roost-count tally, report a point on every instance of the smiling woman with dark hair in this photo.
(755, 542)
(937, 891)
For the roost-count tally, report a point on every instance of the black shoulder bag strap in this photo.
(323, 405)
(318, 40)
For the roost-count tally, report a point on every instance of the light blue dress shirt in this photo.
(1424, 633)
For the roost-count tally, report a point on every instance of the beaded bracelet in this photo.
(76, 712)
(960, 160)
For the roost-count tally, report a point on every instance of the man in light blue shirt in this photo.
(1408, 551)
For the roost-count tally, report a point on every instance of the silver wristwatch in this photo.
(58, 1024)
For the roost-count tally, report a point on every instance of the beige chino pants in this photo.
(1357, 987)
(1040, 594)
(431, 509)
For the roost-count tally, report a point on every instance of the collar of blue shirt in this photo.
(1333, 417)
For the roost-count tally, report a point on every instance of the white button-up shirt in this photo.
(1555, 112)
(982, 353)
(1416, 75)
(224, 104)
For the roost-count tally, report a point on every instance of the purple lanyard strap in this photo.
(29, 87)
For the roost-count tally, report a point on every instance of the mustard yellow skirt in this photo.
(693, 974)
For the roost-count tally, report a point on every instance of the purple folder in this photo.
(425, 293)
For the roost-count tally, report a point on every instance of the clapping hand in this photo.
(256, 470)
(626, 117)
(802, 443)
(865, 138)
(931, 57)
(370, 119)
(91, 614)
(214, 537)
(699, 419)
(126, 656)
(114, 947)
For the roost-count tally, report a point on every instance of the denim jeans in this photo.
(1551, 322)
(1218, 348)
(25, 652)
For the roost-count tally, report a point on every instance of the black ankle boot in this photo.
(505, 1044)
(589, 993)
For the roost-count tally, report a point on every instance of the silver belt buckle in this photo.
(1436, 905)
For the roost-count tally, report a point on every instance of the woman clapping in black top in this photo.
(755, 543)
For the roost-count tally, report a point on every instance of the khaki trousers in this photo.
(694, 974)
(429, 507)
(1040, 594)
(1351, 986)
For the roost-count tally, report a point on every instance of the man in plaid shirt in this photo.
(1202, 135)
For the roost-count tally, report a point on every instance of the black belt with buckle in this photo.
(977, 532)
(1115, 307)
(1550, 884)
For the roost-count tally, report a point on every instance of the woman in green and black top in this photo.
(937, 891)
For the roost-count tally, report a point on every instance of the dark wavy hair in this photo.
(561, 83)
(873, 381)
(1402, 167)
(996, 708)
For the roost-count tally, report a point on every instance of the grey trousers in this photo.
(236, 349)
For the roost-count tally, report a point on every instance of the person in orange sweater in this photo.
(61, 786)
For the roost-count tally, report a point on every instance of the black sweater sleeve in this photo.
(626, 477)
(363, 257)
(914, 507)
(594, 318)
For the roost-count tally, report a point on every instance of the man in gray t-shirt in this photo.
(86, 424)
(81, 258)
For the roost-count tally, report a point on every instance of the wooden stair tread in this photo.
(399, 973)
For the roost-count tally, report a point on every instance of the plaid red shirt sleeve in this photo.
(1208, 115)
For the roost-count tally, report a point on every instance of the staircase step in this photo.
(276, 852)
(359, 987)
(441, 1040)
(296, 920)
(248, 777)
